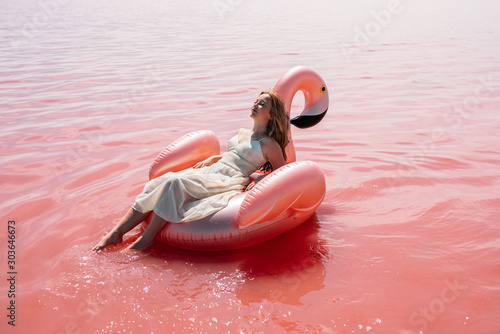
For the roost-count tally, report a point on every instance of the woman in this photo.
(199, 192)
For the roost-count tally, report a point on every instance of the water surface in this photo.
(407, 239)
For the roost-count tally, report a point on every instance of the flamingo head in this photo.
(315, 95)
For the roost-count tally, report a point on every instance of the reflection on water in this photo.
(281, 270)
(284, 270)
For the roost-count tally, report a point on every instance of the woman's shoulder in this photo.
(272, 152)
(269, 143)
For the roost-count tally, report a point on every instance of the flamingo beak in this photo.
(311, 116)
(304, 122)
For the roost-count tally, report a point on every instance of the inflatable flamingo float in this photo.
(281, 201)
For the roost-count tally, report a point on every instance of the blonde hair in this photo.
(277, 127)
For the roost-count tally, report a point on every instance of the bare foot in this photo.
(113, 237)
(141, 243)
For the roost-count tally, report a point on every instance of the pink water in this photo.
(407, 239)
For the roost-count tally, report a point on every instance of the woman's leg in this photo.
(131, 219)
(148, 236)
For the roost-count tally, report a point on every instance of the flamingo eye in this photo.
(323, 89)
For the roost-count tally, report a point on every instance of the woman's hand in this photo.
(250, 185)
(254, 182)
(208, 161)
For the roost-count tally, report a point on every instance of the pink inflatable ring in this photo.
(281, 201)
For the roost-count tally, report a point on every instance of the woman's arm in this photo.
(208, 161)
(272, 152)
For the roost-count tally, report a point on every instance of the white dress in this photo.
(193, 194)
